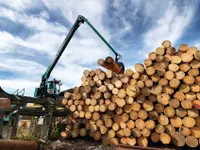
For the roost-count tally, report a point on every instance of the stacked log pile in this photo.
(159, 102)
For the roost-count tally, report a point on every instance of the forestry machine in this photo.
(52, 88)
(48, 92)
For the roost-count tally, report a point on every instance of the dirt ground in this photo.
(75, 144)
(90, 144)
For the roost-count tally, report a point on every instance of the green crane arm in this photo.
(64, 44)
(118, 56)
(80, 19)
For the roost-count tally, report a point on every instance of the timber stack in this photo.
(158, 102)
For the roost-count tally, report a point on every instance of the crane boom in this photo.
(42, 90)
(63, 46)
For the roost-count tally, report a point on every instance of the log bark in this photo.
(114, 141)
(155, 137)
(166, 44)
(197, 55)
(134, 115)
(188, 122)
(123, 141)
(150, 70)
(169, 75)
(184, 88)
(170, 51)
(159, 128)
(115, 126)
(169, 111)
(127, 132)
(150, 124)
(136, 132)
(163, 120)
(142, 141)
(86, 73)
(122, 125)
(153, 115)
(148, 105)
(180, 75)
(189, 80)
(139, 68)
(111, 134)
(131, 141)
(183, 48)
(191, 141)
(178, 139)
(181, 112)
(184, 67)
(83, 132)
(152, 56)
(165, 138)
(148, 62)
(187, 104)
(127, 108)
(130, 124)
(174, 103)
(95, 116)
(119, 110)
(163, 82)
(142, 114)
(170, 129)
(196, 132)
(187, 57)
(193, 113)
(97, 136)
(176, 59)
(99, 123)
(146, 132)
(176, 122)
(139, 123)
(185, 131)
(129, 72)
(148, 83)
(163, 99)
(135, 106)
(103, 129)
(174, 83)
(179, 95)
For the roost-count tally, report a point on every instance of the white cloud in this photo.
(83, 49)
(121, 19)
(162, 19)
(79, 50)
(148, 10)
(42, 42)
(92, 10)
(170, 26)
(21, 66)
(19, 5)
(197, 44)
(48, 39)
(70, 74)
(10, 85)
(33, 22)
(44, 15)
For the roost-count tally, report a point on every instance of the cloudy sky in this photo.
(31, 32)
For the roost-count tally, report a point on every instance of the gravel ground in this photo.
(75, 144)
(90, 144)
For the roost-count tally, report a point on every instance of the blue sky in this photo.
(31, 32)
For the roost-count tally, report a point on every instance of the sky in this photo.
(31, 32)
